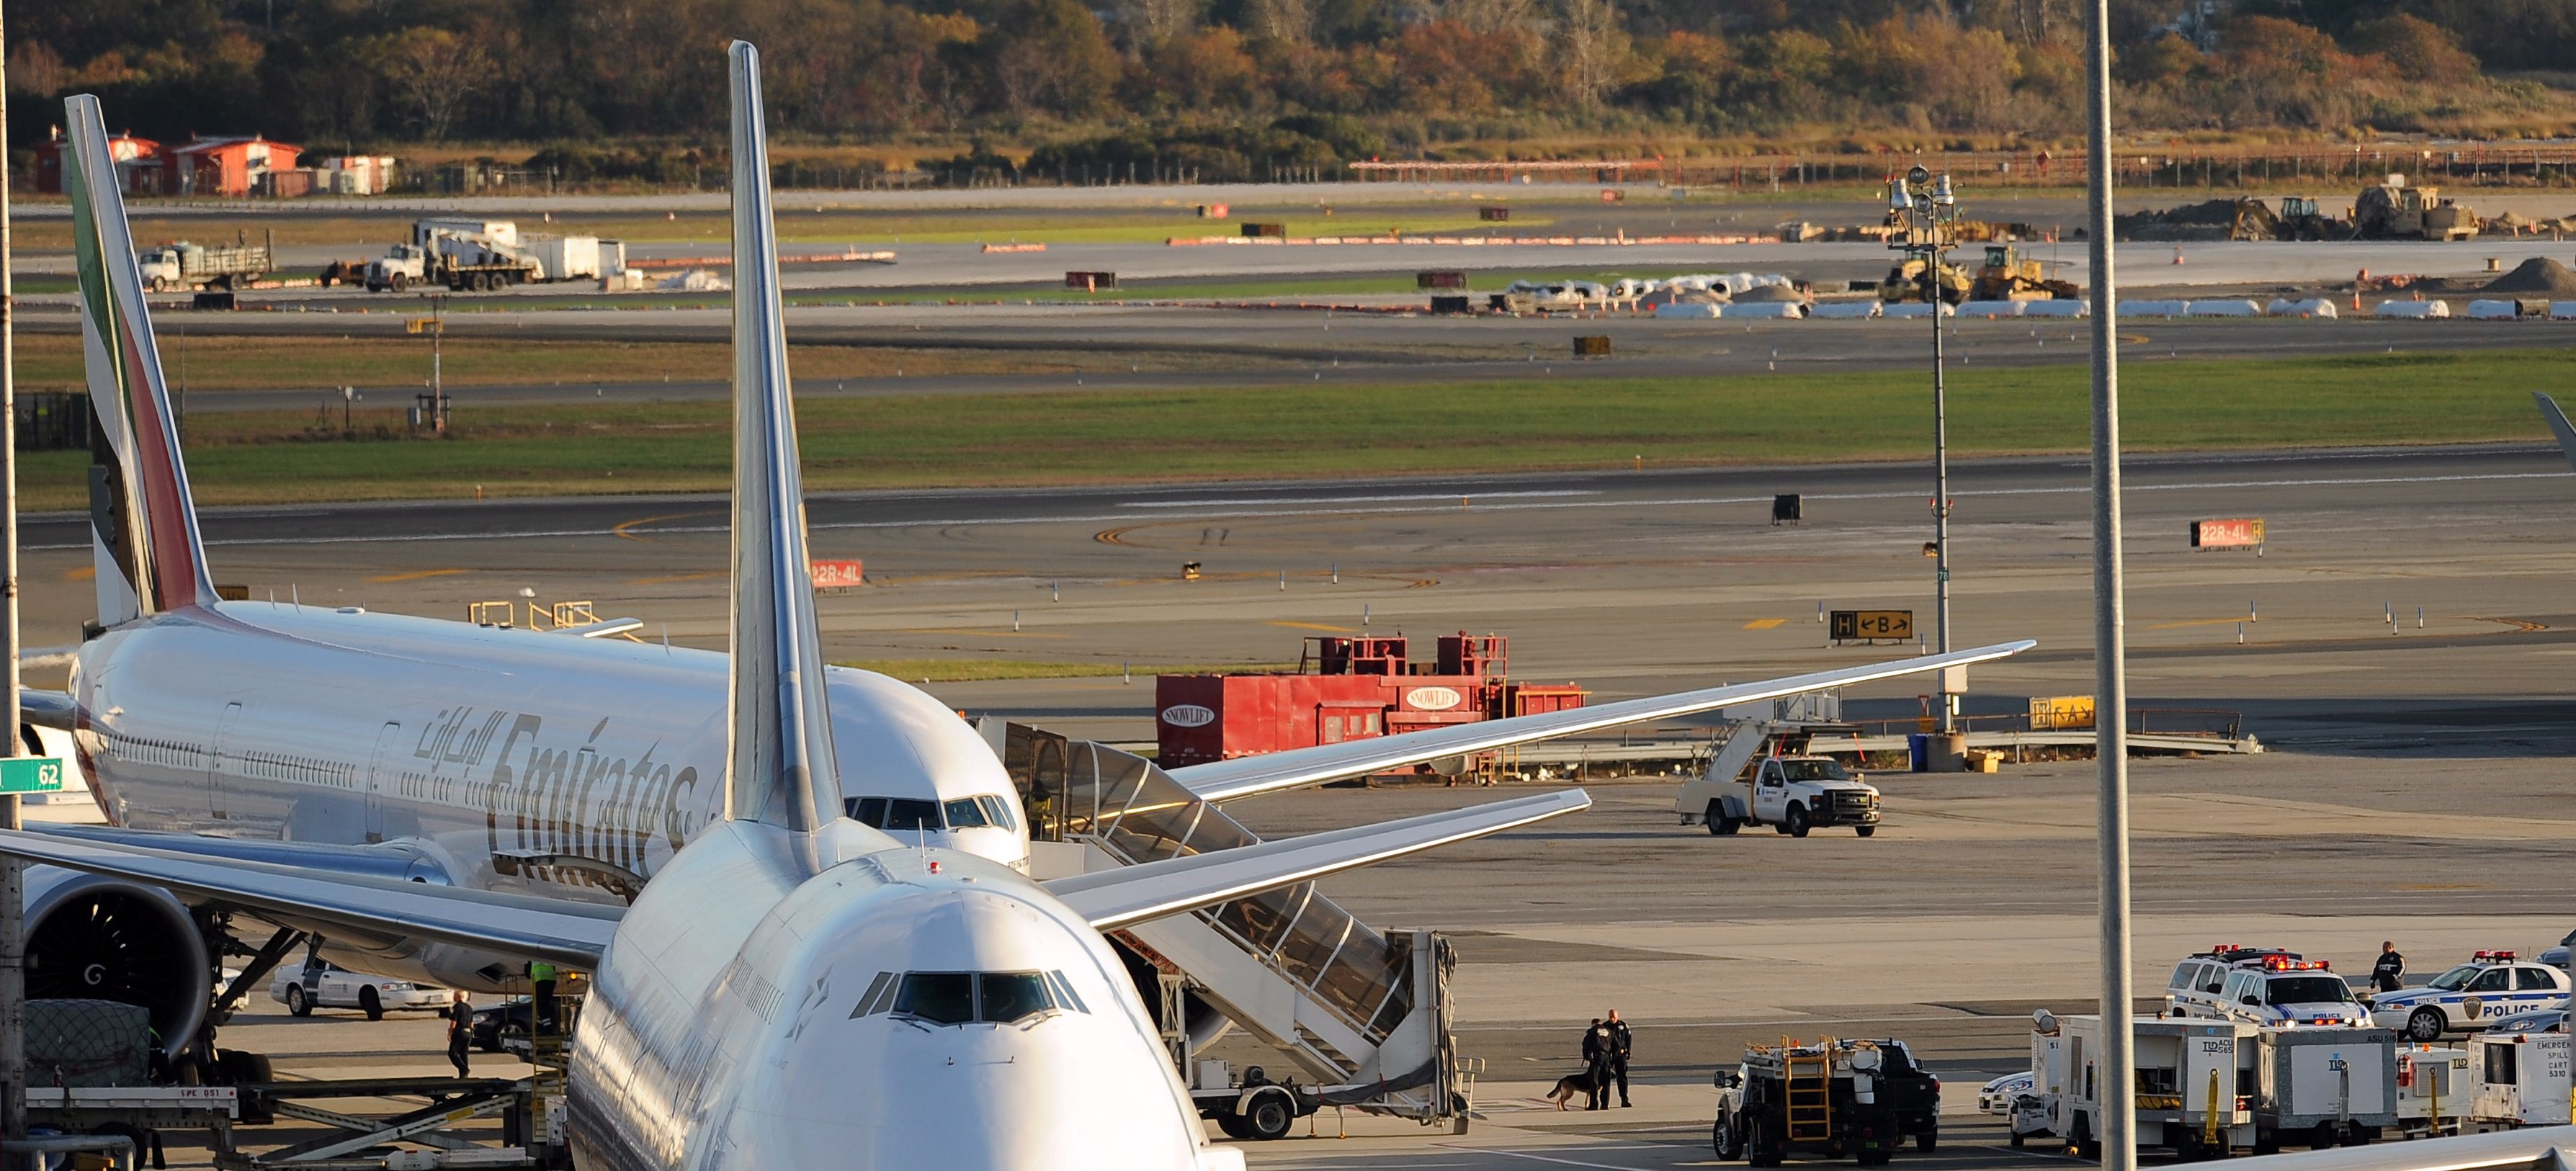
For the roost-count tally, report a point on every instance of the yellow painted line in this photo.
(415, 575)
(626, 532)
(1316, 626)
(979, 631)
(85, 573)
(1764, 623)
(2194, 622)
(678, 577)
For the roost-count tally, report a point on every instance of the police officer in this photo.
(1619, 1042)
(1597, 1048)
(2388, 975)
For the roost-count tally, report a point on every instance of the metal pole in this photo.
(2118, 1076)
(1940, 479)
(13, 873)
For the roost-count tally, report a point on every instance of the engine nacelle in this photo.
(100, 938)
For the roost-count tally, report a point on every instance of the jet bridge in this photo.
(1363, 1014)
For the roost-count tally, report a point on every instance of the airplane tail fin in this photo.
(780, 769)
(2558, 424)
(143, 522)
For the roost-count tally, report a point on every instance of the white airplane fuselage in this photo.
(507, 760)
(747, 1015)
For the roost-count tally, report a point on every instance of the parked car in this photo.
(327, 985)
(496, 1024)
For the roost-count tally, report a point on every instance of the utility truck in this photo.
(1838, 1099)
(471, 255)
(1791, 794)
(183, 265)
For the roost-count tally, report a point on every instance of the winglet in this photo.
(143, 523)
(2558, 423)
(780, 769)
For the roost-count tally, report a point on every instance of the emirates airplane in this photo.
(443, 801)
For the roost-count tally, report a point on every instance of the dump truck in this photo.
(183, 265)
(1838, 1099)
(1905, 283)
(2395, 211)
(2010, 274)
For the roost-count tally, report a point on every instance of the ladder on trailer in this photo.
(1808, 1079)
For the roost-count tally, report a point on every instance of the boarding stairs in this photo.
(1789, 723)
(1364, 1015)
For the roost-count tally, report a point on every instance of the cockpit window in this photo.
(867, 810)
(964, 813)
(942, 998)
(998, 812)
(909, 813)
(954, 998)
(1010, 996)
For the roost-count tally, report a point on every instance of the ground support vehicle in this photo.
(2470, 997)
(1904, 283)
(2192, 1092)
(1255, 1107)
(2395, 211)
(2433, 1091)
(138, 1112)
(1791, 794)
(1913, 1092)
(1827, 1098)
(2028, 1101)
(2323, 1087)
(171, 267)
(327, 985)
(2522, 1080)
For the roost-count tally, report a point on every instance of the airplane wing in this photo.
(1112, 899)
(2535, 1147)
(1227, 780)
(2557, 423)
(551, 930)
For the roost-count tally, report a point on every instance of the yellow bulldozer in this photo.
(1905, 283)
(2011, 275)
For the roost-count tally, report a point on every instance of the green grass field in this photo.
(1383, 430)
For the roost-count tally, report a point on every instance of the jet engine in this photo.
(92, 937)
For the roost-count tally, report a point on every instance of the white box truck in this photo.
(2193, 1092)
(2522, 1080)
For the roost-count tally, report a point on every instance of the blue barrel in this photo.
(1918, 751)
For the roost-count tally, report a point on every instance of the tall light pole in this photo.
(1924, 204)
(2110, 640)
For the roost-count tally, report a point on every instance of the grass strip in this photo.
(1373, 430)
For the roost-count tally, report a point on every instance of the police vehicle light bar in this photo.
(2288, 963)
(2492, 957)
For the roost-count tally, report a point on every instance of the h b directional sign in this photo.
(31, 774)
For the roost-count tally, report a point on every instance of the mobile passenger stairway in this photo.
(1364, 1015)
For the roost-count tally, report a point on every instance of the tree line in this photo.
(1241, 88)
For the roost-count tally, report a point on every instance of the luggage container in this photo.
(2433, 1091)
(2522, 1080)
(2323, 1087)
(2192, 1091)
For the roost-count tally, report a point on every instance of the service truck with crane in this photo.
(472, 256)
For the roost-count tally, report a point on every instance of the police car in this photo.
(1997, 1096)
(2267, 986)
(2470, 998)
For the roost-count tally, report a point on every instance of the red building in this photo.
(138, 164)
(224, 166)
(1358, 688)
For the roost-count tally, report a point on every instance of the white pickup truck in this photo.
(1791, 794)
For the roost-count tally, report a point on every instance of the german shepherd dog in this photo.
(1570, 1087)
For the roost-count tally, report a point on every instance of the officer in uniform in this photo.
(460, 1030)
(1619, 1043)
(2389, 974)
(1597, 1048)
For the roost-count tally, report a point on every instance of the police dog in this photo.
(1570, 1087)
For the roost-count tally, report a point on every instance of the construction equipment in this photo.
(2301, 219)
(469, 255)
(1905, 283)
(2010, 274)
(1832, 1098)
(2395, 211)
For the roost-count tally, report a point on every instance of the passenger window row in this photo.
(913, 813)
(954, 998)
